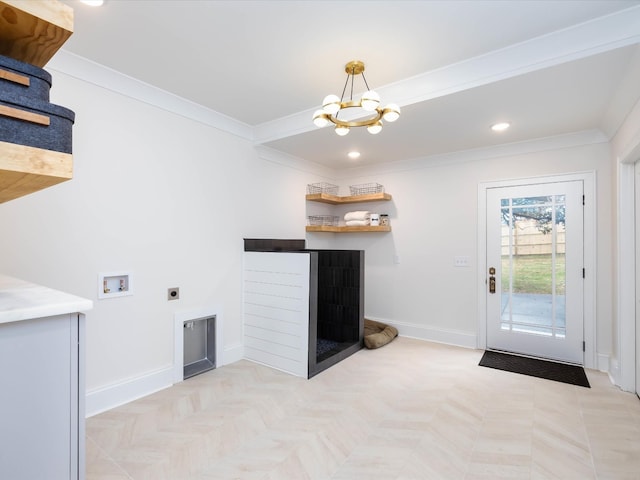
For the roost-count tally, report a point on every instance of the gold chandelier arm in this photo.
(355, 123)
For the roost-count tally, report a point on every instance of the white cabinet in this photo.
(42, 434)
(41, 404)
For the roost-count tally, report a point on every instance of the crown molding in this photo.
(275, 156)
(91, 72)
(587, 137)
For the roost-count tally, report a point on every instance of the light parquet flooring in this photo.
(412, 410)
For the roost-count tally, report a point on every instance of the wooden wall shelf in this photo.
(347, 229)
(33, 31)
(25, 170)
(337, 200)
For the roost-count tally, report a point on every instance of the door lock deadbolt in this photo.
(492, 280)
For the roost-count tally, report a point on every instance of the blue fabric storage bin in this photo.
(56, 136)
(14, 74)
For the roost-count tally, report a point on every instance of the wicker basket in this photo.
(366, 188)
(331, 220)
(322, 187)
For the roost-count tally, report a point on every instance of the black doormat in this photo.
(535, 367)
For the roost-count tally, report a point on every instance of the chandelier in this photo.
(332, 106)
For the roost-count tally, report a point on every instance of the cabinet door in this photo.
(38, 362)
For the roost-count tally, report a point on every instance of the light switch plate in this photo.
(461, 261)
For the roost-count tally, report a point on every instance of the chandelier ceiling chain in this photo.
(369, 102)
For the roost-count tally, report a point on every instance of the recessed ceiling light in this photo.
(500, 127)
(353, 155)
(93, 3)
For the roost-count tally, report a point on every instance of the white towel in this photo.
(360, 215)
(357, 223)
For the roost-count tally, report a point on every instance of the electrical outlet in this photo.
(173, 293)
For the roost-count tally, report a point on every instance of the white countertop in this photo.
(20, 300)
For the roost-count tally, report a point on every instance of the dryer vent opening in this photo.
(199, 337)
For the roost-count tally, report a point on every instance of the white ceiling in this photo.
(455, 67)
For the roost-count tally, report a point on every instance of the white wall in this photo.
(434, 218)
(163, 196)
(170, 199)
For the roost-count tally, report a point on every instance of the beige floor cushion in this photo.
(377, 334)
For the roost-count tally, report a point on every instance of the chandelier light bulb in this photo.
(370, 101)
(375, 128)
(331, 104)
(320, 118)
(341, 130)
(391, 112)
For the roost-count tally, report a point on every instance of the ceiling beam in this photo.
(579, 41)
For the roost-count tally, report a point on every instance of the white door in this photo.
(535, 270)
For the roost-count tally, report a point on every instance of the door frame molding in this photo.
(623, 370)
(589, 297)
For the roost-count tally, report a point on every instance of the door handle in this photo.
(492, 280)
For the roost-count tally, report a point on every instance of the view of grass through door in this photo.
(533, 239)
(533, 275)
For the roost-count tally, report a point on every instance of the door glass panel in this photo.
(533, 267)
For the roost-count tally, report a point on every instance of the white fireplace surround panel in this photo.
(185, 316)
(276, 310)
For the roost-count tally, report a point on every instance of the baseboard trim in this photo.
(603, 363)
(106, 398)
(448, 337)
(112, 396)
(614, 371)
(233, 353)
